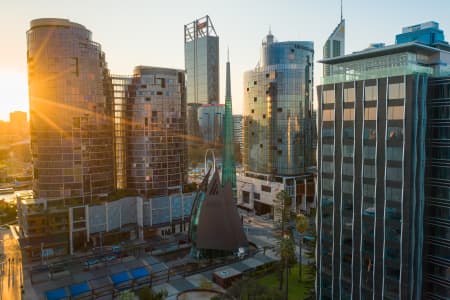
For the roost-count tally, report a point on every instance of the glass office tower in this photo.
(201, 57)
(70, 113)
(379, 226)
(277, 127)
(277, 109)
(335, 45)
(156, 151)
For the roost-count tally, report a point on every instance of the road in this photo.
(11, 270)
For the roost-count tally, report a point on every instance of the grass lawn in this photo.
(297, 291)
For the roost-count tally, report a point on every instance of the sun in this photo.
(14, 92)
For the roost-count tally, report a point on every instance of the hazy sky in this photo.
(151, 32)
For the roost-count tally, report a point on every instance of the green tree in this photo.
(302, 224)
(282, 217)
(147, 293)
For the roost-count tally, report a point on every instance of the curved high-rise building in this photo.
(70, 114)
(277, 109)
(156, 132)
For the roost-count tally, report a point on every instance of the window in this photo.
(349, 95)
(394, 174)
(371, 93)
(266, 188)
(280, 109)
(328, 149)
(327, 184)
(328, 115)
(347, 151)
(395, 113)
(368, 190)
(327, 132)
(256, 196)
(327, 167)
(393, 194)
(370, 134)
(348, 133)
(349, 114)
(369, 171)
(347, 187)
(146, 121)
(159, 93)
(148, 98)
(395, 133)
(347, 169)
(370, 113)
(397, 90)
(245, 197)
(394, 153)
(369, 152)
(255, 82)
(328, 96)
(255, 99)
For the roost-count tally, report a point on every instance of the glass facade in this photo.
(437, 188)
(334, 46)
(369, 193)
(277, 126)
(156, 157)
(397, 173)
(70, 113)
(210, 121)
(201, 56)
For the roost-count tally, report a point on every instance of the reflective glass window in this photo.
(394, 153)
(347, 150)
(371, 93)
(395, 113)
(328, 115)
(394, 174)
(349, 95)
(370, 134)
(349, 114)
(396, 90)
(370, 113)
(395, 133)
(328, 96)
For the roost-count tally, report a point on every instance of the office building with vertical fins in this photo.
(384, 172)
(277, 127)
(201, 57)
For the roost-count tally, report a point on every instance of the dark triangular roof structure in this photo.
(219, 224)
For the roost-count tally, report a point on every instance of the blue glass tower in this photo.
(229, 167)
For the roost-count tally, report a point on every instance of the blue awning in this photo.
(139, 273)
(57, 294)
(78, 289)
(120, 278)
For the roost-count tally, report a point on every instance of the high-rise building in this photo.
(277, 126)
(335, 45)
(70, 113)
(201, 58)
(70, 125)
(384, 178)
(156, 155)
(210, 121)
(237, 130)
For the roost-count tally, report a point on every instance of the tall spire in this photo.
(342, 16)
(228, 165)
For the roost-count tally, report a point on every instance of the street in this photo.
(11, 269)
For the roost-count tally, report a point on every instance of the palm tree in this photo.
(282, 215)
(302, 225)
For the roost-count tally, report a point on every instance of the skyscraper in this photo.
(70, 112)
(228, 166)
(201, 57)
(237, 130)
(156, 155)
(70, 126)
(277, 129)
(383, 183)
(335, 44)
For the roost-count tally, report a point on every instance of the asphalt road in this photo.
(11, 270)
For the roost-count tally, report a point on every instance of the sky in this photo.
(151, 32)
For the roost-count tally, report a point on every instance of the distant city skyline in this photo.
(241, 26)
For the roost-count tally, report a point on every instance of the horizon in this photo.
(155, 45)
